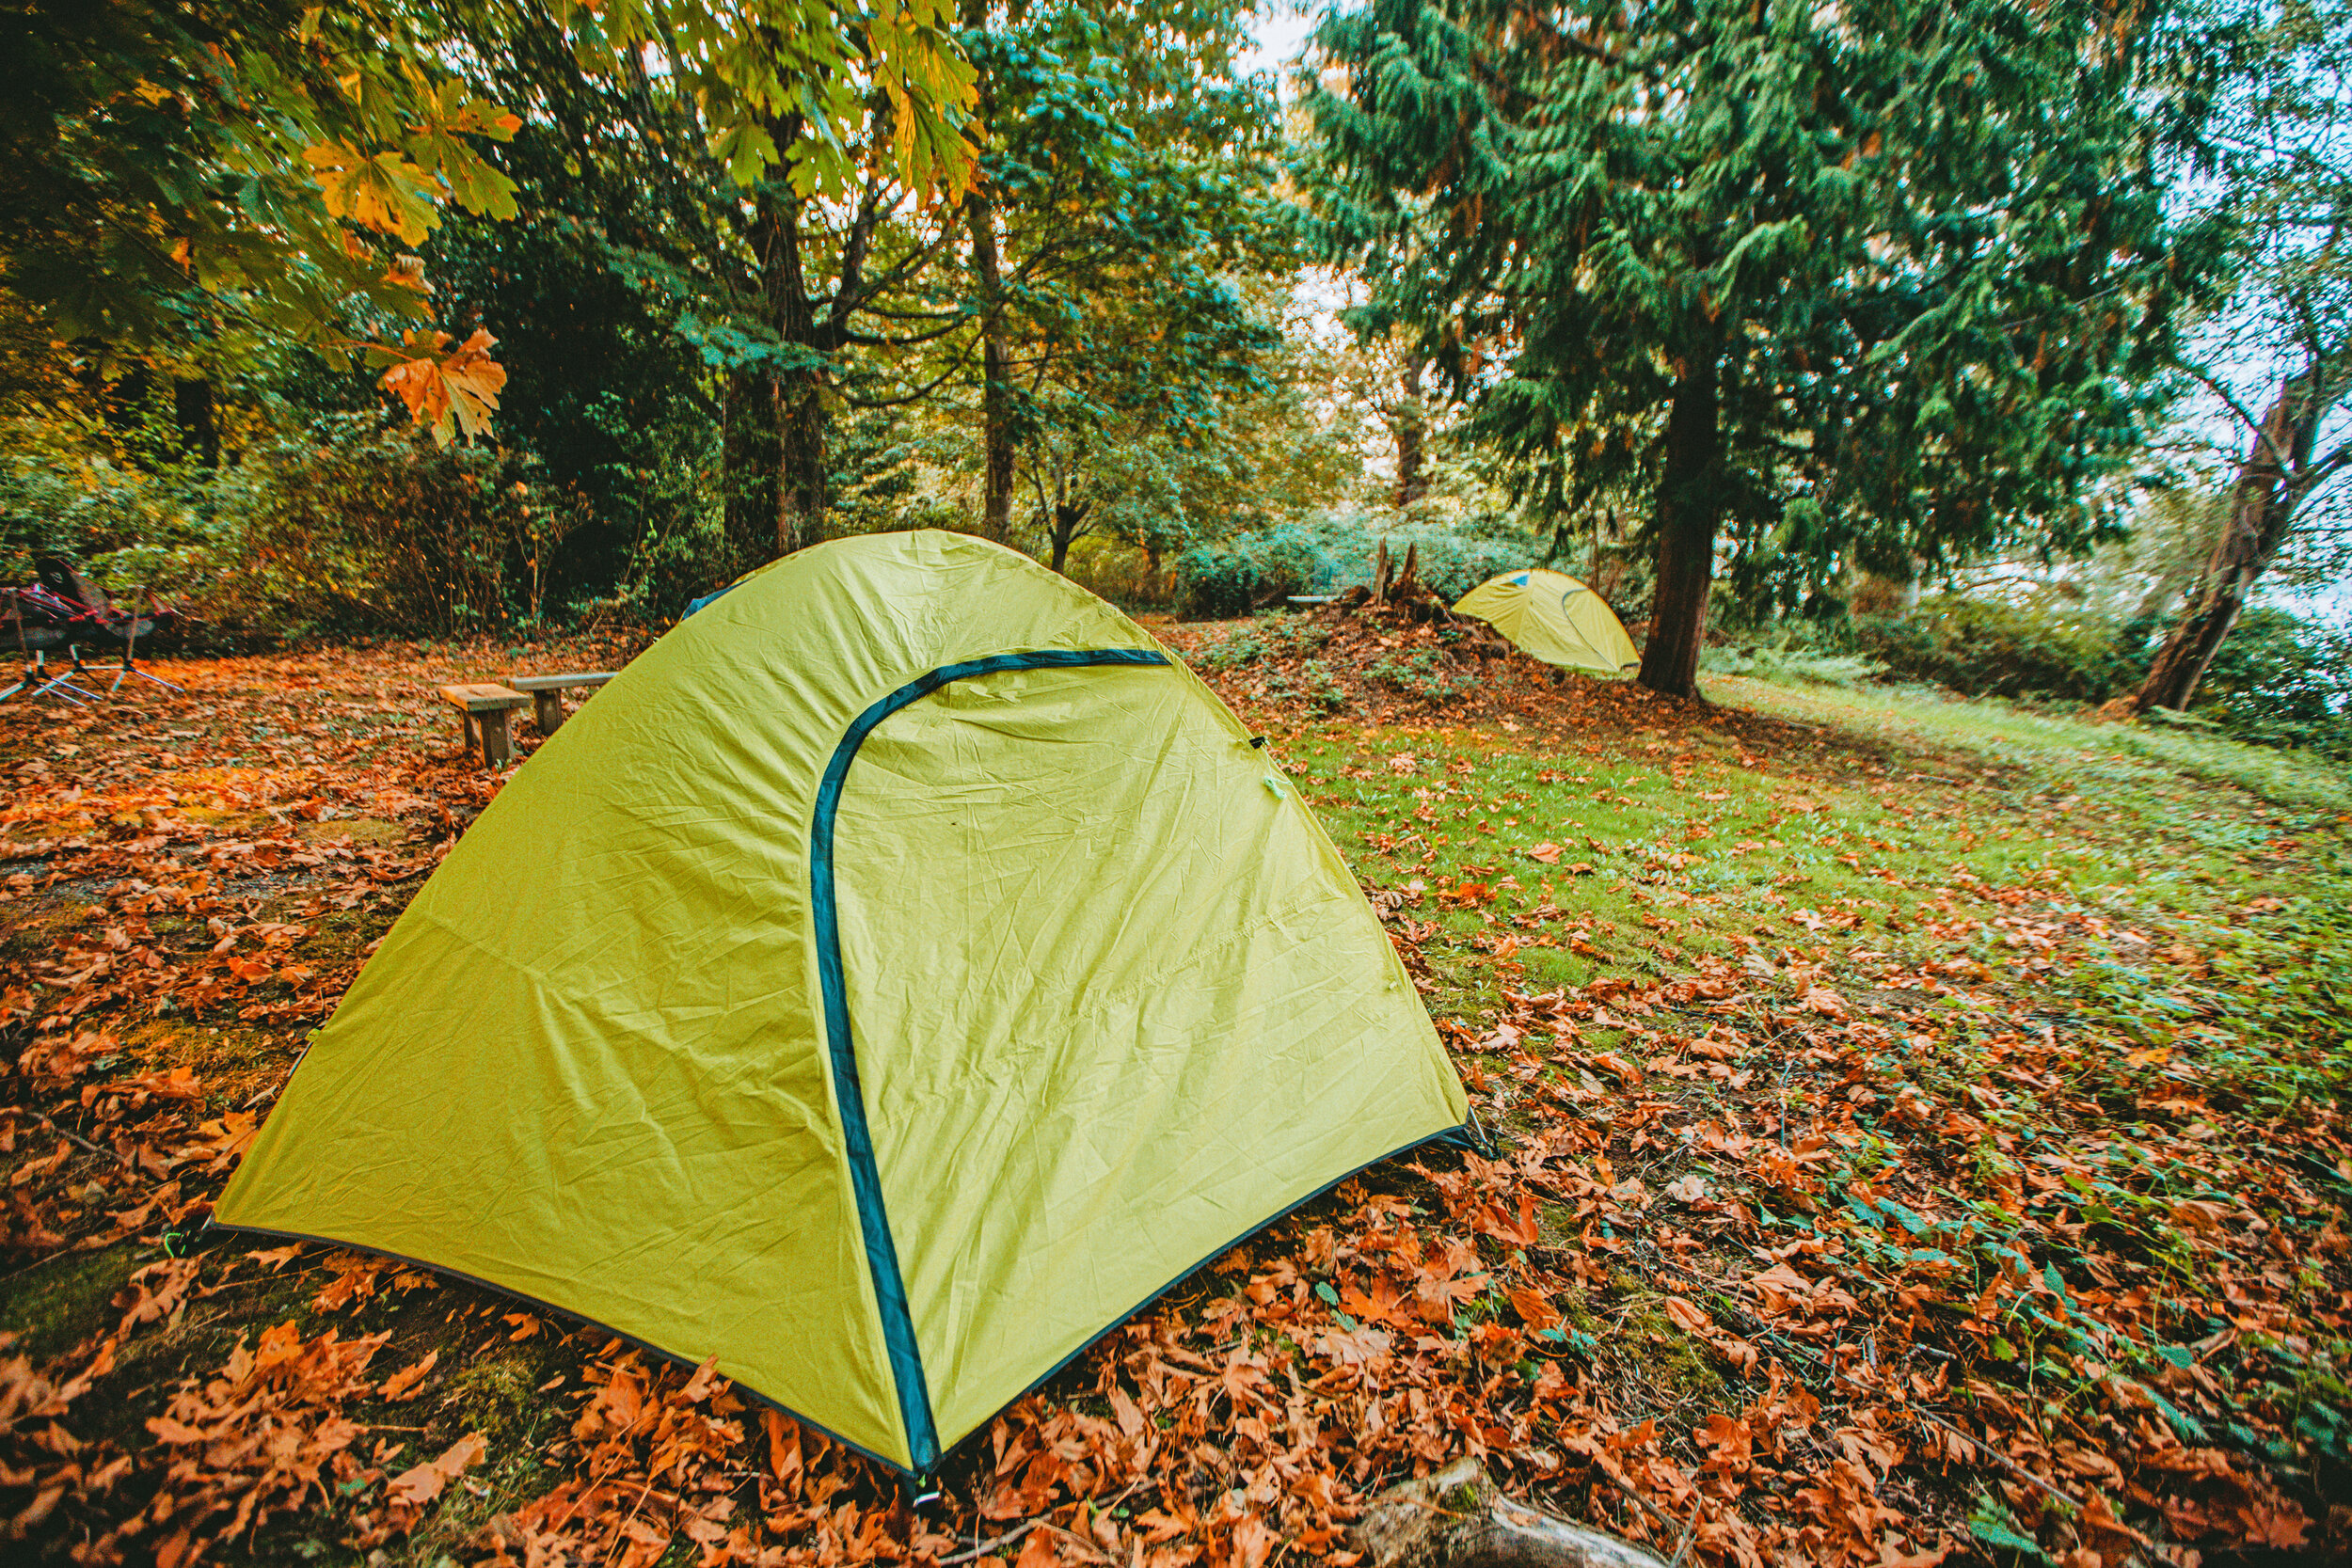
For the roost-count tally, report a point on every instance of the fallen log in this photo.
(1458, 1518)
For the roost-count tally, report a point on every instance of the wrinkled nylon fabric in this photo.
(1553, 617)
(1129, 889)
(588, 1064)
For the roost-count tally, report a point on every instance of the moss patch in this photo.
(54, 1305)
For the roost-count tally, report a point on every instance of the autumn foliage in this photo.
(1865, 1188)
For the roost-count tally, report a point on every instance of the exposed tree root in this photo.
(1458, 1518)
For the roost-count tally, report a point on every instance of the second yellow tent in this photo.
(1553, 617)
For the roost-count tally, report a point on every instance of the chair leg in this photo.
(130, 668)
(61, 683)
(497, 739)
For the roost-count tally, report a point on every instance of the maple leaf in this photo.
(1535, 1309)
(1548, 853)
(1364, 1347)
(1729, 1442)
(1689, 1316)
(1523, 1231)
(1255, 1541)
(384, 192)
(354, 1281)
(1382, 1302)
(422, 1484)
(451, 389)
(401, 1385)
(1821, 999)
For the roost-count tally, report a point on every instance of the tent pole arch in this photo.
(882, 1252)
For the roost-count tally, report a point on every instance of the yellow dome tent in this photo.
(899, 975)
(1553, 617)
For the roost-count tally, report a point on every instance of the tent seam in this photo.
(881, 1254)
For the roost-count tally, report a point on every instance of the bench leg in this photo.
(550, 710)
(496, 739)
(468, 737)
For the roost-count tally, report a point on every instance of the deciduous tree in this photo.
(2280, 359)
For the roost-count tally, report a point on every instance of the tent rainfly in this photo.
(1553, 617)
(896, 978)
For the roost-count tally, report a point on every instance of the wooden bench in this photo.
(546, 692)
(482, 712)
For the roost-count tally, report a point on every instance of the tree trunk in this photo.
(747, 461)
(1069, 527)
(1458, 1519)
(1412, 429)
(997, 435)
(1065, 520)
(996, 432)
(2262, 505)
(796, 412)
(800, 461)
(1686, 503)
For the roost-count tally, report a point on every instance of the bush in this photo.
(1118, 571)
(66, 487)
(1983, 649)
(1336, 552)
(1276, 637)
(2280, 680)
(365, 524)
(1788, 657)
(1423, 675)
(1221, 581)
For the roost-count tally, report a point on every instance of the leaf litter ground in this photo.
(1918, 1135)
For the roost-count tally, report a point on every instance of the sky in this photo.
(1282, 30)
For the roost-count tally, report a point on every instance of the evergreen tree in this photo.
(1871, 283)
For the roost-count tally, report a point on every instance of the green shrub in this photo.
(1118, 571)
(1224, 580)
(361, 524)
(1335, 552)
(1424, 677)
(1784, 658)
(1986, 649)
(1313, 688)
(1275, 636)
(70, 486)
(2280, 680)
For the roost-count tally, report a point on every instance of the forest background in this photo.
(1885, 343)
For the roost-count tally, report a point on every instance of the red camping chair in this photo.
(97, 619)
(34, 621)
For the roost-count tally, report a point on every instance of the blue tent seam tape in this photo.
(881, 1252)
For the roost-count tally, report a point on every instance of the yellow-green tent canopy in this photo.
(900, 973)
(1553, 617)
